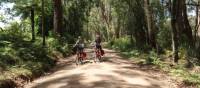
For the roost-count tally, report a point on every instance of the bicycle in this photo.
(80, 57)
(97, 55)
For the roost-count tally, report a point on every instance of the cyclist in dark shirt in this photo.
(98, 42)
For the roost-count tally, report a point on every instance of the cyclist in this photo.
(79, 46)
(98, 42)
(98, 46)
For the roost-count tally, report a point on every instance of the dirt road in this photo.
(114, 72)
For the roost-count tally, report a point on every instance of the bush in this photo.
(153, 58)
(122, 44)
(59, 45)
(21, 57)
(164, 38)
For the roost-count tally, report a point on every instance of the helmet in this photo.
(79, 37)
(98, 35)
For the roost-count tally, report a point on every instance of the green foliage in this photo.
(164, 36)
(85, 17)
(122, 44)
(13, 33)
(60, 45)
(132, 53)
(19, 56)
(76, 14)
(153, 58)
(189, 78)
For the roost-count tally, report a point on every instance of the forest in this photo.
(159, 38)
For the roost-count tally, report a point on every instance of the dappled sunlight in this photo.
(109, 74)
(61, 43)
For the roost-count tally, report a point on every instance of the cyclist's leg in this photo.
(96, 53)
(77, 57)
(99, 49)
(96, 46)
(81, 53)
(78, 54)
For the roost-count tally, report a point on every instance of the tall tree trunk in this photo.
(58, 17)
(117, 31)
(197, 26)
(106, 14)
(33, 23)
(140, 28)
(188, 29)
(173, 9)
(188, 32)
(43, 29)
(150, 24)
(180, 25)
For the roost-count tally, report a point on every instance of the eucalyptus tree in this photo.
(25, 9)
(58, 17)
(150, 23)
(76, 17)
(180, 26)
(43, 25)
(119, 16)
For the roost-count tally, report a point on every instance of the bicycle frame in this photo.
(79, 58)
(97, 55)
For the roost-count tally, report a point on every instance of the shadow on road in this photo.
(113, 72)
